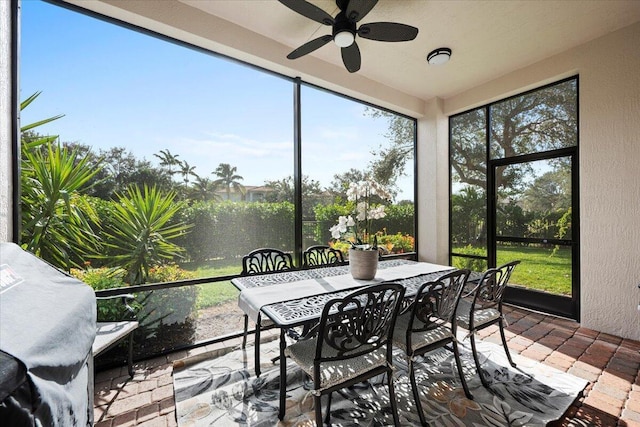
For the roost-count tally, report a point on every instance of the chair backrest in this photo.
(266, 260)
(435, 303)
(491, 287)
(359, 323)
(319, 255)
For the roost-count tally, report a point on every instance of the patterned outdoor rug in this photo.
(220, 389)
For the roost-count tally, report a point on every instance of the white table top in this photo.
(296, 297)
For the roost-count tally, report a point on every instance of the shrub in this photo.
(167, 318)
(106, 278)
(141, 233)
(396, 243)
(169, 273)
(473, 264)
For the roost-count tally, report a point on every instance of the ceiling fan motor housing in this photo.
(342, 23)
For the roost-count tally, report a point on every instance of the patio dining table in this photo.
(296, 298)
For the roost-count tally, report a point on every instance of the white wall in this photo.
(433, 184)
(5, 118)
(609, 162)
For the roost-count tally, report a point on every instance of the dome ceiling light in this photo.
(439, 56)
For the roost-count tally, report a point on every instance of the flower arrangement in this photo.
(358, 231)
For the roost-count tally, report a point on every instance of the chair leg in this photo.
(416, 395)
(392, 399)
(246, 328)
(327, 418)
(283, 376)
(257, 346)
(504, 344)
(477, 361)
(130, 355)
(456, 353)
(317, 401)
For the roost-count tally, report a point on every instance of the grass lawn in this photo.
(540, 268)
(216, 293)
(219, 292)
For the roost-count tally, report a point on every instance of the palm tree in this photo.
(168, 160)
(56, 219)
(187, 170)
(203, 189)
(142, 229)
(227, 178)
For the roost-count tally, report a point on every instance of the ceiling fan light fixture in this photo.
(439, 56)
(344, 38)
(344, 29)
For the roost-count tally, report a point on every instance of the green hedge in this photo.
(231, 229)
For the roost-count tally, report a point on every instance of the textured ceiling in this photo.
(488, 38)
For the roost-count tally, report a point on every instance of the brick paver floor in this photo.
(610, 364)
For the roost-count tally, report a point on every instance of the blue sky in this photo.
(117, 87)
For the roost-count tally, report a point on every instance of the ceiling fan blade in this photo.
(387, 32)
(310, 46)
(358, 9)
(309, 10)
(351, 57)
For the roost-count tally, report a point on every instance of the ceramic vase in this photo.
(363, 264)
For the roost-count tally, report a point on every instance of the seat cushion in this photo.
(108, 333)
(418, 339)
(334, 372)
(481, 317)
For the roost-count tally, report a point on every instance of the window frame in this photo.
(546, 302)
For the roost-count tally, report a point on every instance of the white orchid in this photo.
(342, 226)
(361, 193)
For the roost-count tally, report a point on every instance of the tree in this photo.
(283, 191)
(227, 179)
(468, 216)
(391, 160)
(549, 192)
(186, 170)
(140, 233)
(122, 169)
(534, 122)
(168, 160)
(340, 183)
(203, 189)
(542, 120)
(56, 219)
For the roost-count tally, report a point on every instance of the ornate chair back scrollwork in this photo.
(260, 261)
(429, 323)
(266, 260)
(319, 255)
(482, 307)
(351, 344)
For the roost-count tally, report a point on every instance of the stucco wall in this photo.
(5, 118)
(609, 161)
(433, 184)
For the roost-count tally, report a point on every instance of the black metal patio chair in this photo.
(260, 261)
(482, 307)
(428, 323)
(321, 256)
(351, 344)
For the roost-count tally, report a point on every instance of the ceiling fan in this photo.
(344, 29)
